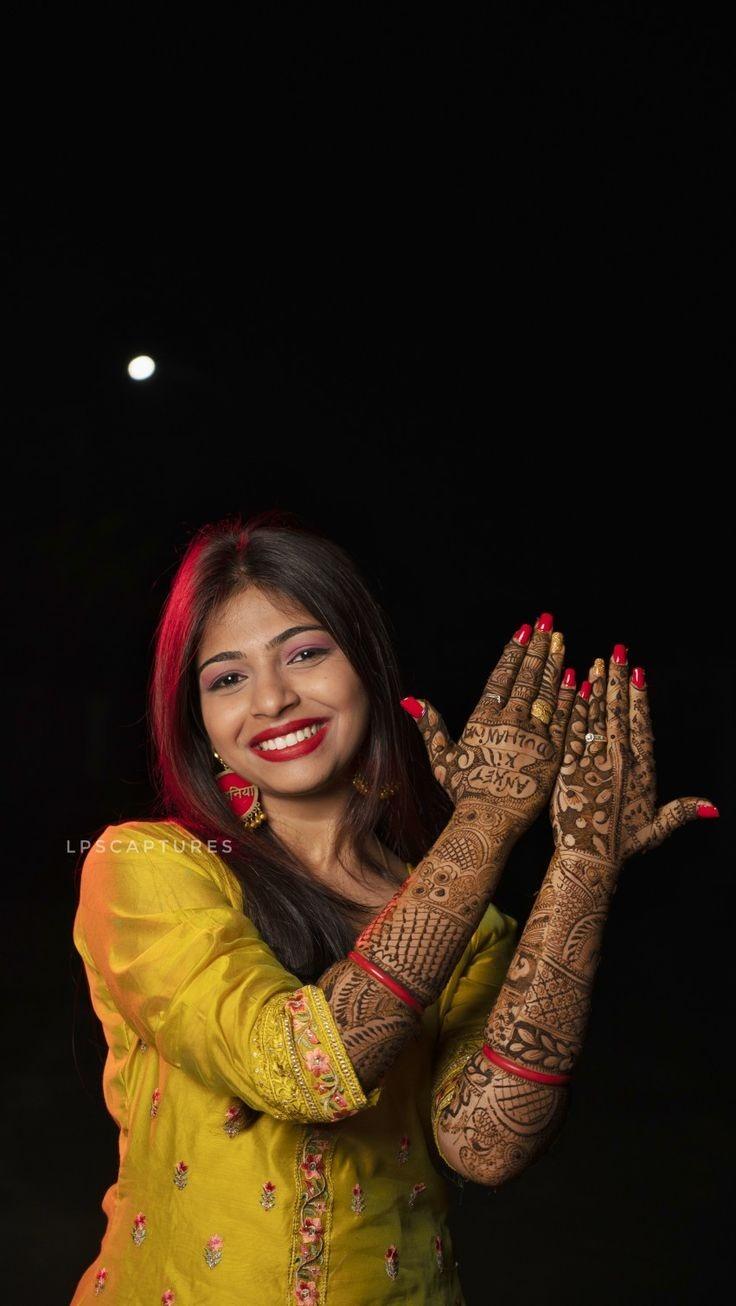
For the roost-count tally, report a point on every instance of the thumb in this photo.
(670, 817)
(441, 748)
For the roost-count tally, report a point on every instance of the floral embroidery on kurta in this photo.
(168, 1297)
(391, 1261)
(100, 1281)
(139, 1230)
(358, 1201)
(155, 1099)
(234, 1119)
(312, 1218)
(142, 1045)
(299, 1061)
(268, 1195)
(416, 1190)
(404, 1148)
(213, 1250)
(439, 1254)
(315, 1057)
(181, 1174)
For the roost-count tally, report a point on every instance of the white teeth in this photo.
(285, 741)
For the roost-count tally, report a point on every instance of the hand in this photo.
(604, 801)
(507, 756)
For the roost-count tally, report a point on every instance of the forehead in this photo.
(254, 615)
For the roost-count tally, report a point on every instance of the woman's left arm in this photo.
(603, 810)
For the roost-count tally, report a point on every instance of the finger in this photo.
(669, 818)
(578, 725)
(617, 696)
(559, 725)
(441, 748)
(498, 685)
(529, 676)
(640, 721)
(551, 676)
(597, 708)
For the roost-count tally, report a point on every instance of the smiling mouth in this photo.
(289, 740)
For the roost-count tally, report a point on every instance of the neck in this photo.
(308, 825)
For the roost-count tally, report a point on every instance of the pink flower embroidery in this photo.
(439, 1256)
(168, 1297)
(213, 1251)
(155, 1099)
(416, 1190)
(306, 1293)
(358, 1202)
(391, 1261)
(234, 1120)
(267, 1198)
(139, 1230)
(404, 1148)
(100, 1281)
(181, 1174)
(317, 1062)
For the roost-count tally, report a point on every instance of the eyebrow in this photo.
(272, 643)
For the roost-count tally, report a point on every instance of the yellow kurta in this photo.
(331, 1197)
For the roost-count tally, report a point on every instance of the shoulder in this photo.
(160, 851)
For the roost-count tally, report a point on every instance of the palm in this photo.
(505, 753)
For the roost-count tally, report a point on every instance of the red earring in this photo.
(241, 794)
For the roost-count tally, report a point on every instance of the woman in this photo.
(315, 1014)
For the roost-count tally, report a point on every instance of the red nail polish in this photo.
(523, 634)
(546, 621)
(707, 810)
(637, 678)
(620, 654)
(569, 679)
(413, 707)
(585, 689)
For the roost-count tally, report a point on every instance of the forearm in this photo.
(418, 937)
(498, 1122)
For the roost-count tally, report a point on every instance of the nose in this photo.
(271, 693)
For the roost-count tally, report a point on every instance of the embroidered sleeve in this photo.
(189, 973)
(465, 1003)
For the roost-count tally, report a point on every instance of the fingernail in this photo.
(585, 689)
(523, 634)
(569, 679)
(619, 655)
(546, 621)
(707, 810)
(598, 669)
(413, 707)
(637, 678)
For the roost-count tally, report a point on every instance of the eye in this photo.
(303, 651)
(216, 684)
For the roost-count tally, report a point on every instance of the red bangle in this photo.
(538, 1076)
(390, 983)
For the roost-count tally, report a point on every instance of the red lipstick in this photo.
(292, 750)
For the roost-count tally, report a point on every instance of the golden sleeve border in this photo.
(300, 1064)
(446, 1075)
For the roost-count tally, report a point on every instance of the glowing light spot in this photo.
(141, 367)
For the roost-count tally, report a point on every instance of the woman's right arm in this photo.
(500, 774)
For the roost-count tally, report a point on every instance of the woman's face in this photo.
(258, 673)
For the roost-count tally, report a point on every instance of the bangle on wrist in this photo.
(537, 1076)
(383, 978)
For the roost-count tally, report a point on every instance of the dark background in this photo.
(458, 295)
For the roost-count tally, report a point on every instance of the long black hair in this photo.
(302, 919)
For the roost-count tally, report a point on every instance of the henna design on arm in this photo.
(499, 773)
(603, 805)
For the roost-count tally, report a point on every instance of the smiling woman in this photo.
(252, 1149)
